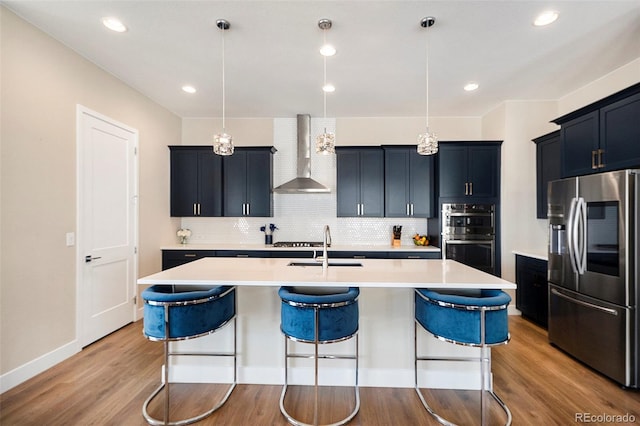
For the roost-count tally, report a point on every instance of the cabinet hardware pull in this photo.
(190, 255)
(408, 214)
(466, 188)
(413, 257)
(593, 160)
(199, 209)
(194, 209)
(356, 256)
(411, 209)
(358, 205)
(471, 188)
(362, 209)
(600, 163)
(242, 255)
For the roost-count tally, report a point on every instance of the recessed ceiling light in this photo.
(114, 24)
(329, 88)
(189, 89)
(545, 18)
(470, 87)
(327, 50)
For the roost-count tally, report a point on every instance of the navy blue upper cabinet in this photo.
(408, 182)
(469, 171)
(196, 181)
(620, 133)
(580, 145)
(360, 181)
(602, 136)
(248, 182)
(547, 168)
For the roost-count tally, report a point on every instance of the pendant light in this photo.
(223, 142)
(427, 141)
(326, 141)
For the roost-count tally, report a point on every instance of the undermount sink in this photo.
(320, 264)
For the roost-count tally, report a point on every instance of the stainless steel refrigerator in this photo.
(594, 233)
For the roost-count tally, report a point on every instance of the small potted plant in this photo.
(184, 235)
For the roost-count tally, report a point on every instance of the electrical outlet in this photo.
(71, 239)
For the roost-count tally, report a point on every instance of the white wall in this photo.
(42, 81)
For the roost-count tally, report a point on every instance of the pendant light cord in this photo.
(324, 83)
(223, 82)
(427, 80)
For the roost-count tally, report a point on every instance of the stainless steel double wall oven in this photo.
(468, 235)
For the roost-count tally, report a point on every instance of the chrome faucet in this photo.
(326, 241)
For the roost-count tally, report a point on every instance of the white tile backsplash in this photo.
(301, 217)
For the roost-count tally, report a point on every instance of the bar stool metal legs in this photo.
(436, 312)
(195, 314)
(299, 306)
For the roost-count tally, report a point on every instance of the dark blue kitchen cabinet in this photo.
(469, 171)
(408, 182)
(172, 258)
(548, 168)
(620, 133)
(248, 182)
(580, 145)
(360, 181)
(602, 136)
(533, 288)
(243, 253)
(196, 181)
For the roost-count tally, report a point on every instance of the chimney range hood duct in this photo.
(303, 184)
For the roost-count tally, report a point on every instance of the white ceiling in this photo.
(273, 68)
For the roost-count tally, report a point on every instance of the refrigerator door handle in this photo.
(583, 303)
(571, 234)
(581, 247)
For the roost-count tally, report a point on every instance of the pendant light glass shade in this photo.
(427, 141)
(223, 142)
(326, 141)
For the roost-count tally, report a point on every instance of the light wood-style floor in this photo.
(108, 381)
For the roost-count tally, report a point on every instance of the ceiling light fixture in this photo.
(223, 142)
(471, 86)
(114, 24)
(545, 18)
(326, 141)
(188, 89)
(427, 141)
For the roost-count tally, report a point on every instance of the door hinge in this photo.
(135, 250)
(135, 300)
(135, 150)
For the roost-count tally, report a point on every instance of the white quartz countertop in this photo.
(334, 247)
(390, 273)
(536, 254)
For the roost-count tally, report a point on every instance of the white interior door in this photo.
(107, 229)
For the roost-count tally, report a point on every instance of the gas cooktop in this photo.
(298, 244)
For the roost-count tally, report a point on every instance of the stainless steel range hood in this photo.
(303, 184)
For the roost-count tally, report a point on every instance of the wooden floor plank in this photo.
(107, 383)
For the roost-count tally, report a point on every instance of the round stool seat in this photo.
(193, 311)
(456, 317)
(337, 315)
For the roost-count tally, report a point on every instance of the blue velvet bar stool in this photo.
(173, 313)
(476, 320)
(318, 319)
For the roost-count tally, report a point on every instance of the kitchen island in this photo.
(386, 317)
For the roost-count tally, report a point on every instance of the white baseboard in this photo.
(32, 368)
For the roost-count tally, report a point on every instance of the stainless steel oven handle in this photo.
(585, 304)
(448, 241)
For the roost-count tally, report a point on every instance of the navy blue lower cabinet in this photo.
(533, 289)
(173, 258)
